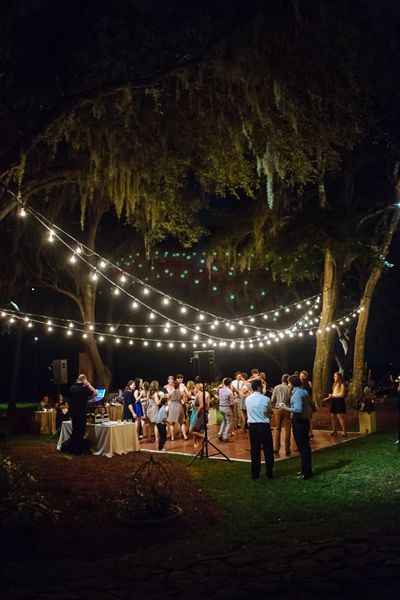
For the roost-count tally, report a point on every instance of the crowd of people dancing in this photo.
(245, 402)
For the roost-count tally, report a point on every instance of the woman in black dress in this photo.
(128, 400)
(338, 404)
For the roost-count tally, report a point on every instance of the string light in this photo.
(104, 263)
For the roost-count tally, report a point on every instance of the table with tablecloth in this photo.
(44, 422)
(115, 411)
(107, 438)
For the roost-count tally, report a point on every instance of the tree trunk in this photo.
(102, 373)
(333, 272)
(357, 385)
(12, 399)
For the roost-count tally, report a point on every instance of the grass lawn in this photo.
(355, 489)
(27, 405)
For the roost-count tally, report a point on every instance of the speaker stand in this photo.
(204, 448)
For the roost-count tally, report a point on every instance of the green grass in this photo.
(30, 405)
(356, 487)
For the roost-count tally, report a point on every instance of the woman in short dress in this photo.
(176, 413)
(128, 402)
(191, 397)
(338, 404)
(153, 404)
(199, 423)
(138, 394)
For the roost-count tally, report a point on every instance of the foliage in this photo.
(19, 505)
(148, 495)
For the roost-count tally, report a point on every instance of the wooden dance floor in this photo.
(239, 446)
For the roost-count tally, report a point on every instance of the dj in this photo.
(79, 394)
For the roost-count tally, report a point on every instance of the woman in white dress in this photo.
(153, 403)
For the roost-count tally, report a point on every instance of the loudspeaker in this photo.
(203, 363)
(60, 371)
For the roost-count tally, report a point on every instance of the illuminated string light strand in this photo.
(301, 323)
(82, 252)
(84, 330)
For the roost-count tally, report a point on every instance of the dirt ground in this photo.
(83, 489)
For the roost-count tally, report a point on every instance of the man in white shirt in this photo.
(226, 401)
(258, 418)
(243, 389)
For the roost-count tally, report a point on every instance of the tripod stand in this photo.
(204, 448)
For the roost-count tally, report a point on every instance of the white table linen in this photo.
(107, 438)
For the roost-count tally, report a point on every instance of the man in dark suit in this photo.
(79, 394)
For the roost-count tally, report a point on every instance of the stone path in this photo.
(366, 567)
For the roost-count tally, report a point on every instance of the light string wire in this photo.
(78, 251)
(171, 342)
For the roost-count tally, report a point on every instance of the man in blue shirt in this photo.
(258, 418)
(301, 407)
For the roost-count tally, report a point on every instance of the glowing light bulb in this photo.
(201, 317)
(22, 212)
(216, 322)
(49, 329)
(69, 332)
(117, 341)
(152, 315)
(130, 329)
(116, 291)
(252, 319)
(170, 345)
(94, 276)
(158, 344)
(183, 309)
(130, 342)
(91, 327)
(78, 250)
(183, 345)
(276, 313)
(122, 279)
(101, 339)
(265, 316)
(102, 264)
(51, 235)
(135, 305)
(111, 328)
(84, 336)
(298, 306)
(245, 330)
(149, 330)
(146, 291)
(287, 309)
(72, 259)
(165, 300)
(30, 324)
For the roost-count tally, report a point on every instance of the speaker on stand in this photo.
(203, 365)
